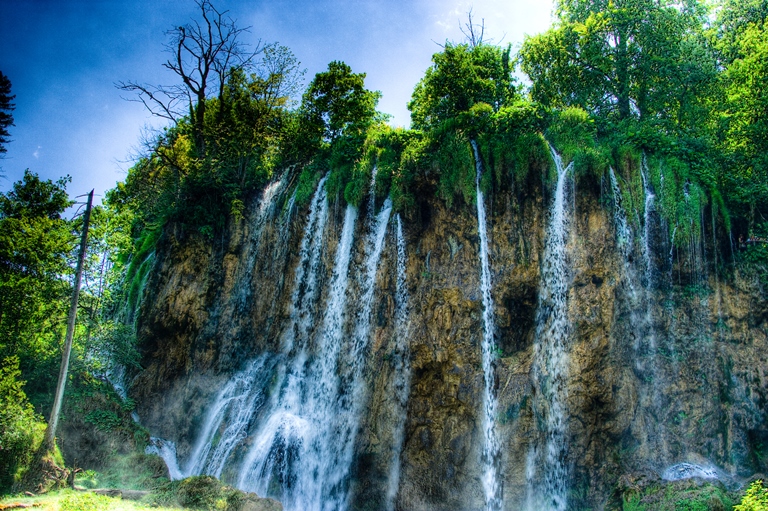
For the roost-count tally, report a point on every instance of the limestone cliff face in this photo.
(671, 372)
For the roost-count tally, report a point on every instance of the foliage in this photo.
(573, 132)
(514, 141)
(199, 492)
(201, 171)
(21, 428)
(337, 103)
(623, 58)
(745, 122)
(35, 246)
(136, 471)
(462, 78)
(53, 501)
(455, 103)
(203, 54)
(755, 499)
(682, 495)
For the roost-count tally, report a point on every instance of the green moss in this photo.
(199, 492)
(686, 495)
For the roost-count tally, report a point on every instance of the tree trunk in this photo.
(50, 432)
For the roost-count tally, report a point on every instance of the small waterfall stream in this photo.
(352, 391)
(491, 446)
(548, 480)
(232, 409)
(402, 378)
(624, 236)
(650, 206)
(302, 451)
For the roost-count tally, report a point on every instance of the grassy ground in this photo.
(69, 500)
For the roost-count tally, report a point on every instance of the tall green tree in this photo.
(462, 77)
(35, 245)
(624, 58)
(337, 103)
(743, 46)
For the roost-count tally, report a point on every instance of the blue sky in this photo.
(63, 58)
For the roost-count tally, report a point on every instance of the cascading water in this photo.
(491, 446)
(305, 291)
(289, 449)
(228, 419)
(624, 234)
(352, 387)
(166, 450)
(550, 365)
(402, 376)
(308, 440)
(650, 205)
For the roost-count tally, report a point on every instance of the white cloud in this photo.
(36, 154)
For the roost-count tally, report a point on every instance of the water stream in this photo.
(650, 206)
(548, 478)
(402, 370)
(491, 447)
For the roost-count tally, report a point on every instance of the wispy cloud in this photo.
(36, 154)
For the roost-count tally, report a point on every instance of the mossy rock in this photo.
(208, 493)
(643, 492)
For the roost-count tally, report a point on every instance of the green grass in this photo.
(69, 500)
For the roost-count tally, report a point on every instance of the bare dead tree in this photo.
(202, 52)
(474, 32)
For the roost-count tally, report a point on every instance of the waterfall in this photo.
(491, 447)
(353, 388)
(550, 365)
(304, 295)
(306, 444)
(230, 415)
(291, 448)
(402, 377)
(623, 232)
(650, 205)
(167, 451)
(232, 411)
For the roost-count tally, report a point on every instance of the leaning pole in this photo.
(50, 432)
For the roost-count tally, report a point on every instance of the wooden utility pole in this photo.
(50, 432)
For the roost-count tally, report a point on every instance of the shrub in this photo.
(20, 428)
(199, 492)
(756, 498)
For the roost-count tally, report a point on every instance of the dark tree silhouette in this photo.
(203, 51)
(6, 107)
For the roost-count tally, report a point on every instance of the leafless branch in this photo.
(203, 51)
(472, 31)
(160, 101)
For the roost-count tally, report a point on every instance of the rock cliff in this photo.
(660, 370)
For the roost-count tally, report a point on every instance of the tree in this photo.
(35, 243)
(745, 111)
(6, 107)
(19, 425)
(337, 103)
(755, 498)
(203, 52)
(623, 58)
(461, 77)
